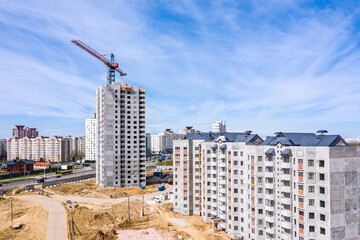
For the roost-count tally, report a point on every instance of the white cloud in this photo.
(257, 68)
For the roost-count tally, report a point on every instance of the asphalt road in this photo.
(30, 182)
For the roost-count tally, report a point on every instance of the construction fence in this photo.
(68, 180)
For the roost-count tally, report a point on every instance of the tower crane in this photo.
(112, 65)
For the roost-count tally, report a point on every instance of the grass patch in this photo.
(15, 180)
(166, 163)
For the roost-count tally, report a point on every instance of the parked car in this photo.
(57, 176)
(41, 180)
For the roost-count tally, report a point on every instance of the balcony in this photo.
(214, 212)
(222, 164)
(285, 235)
(269, 174)
(285, 177)
(222, 190)
(269, 163)
(286, 189)
(269, 185)
(222, 173)
(286, 201)
(285, 212)
(222, 199)
(222, 182)
(270, 219)
(213, 188)
(213, 171)
(270, 230)
(286, 224)
(222, 208)
(270, 196)
(222, 156)
(214, 204)
(269, 208)
(285, 165)
(222, 216)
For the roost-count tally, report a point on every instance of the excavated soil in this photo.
(91, 189)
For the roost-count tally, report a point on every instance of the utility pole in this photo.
(11, 207)
(129, 207)
(143, 206)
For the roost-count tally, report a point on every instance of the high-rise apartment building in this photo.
(291, 186)
(77, 146)
(120, 134)
(53, 149)
(20, 132)
(219, 126)
(90, 133)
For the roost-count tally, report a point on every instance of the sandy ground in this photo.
(91, 189)
(94, 221)
(146, 234)
(31, 214)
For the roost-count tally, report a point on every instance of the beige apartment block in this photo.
(290, 186)
(53, 149)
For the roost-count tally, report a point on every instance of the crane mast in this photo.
(112, 65)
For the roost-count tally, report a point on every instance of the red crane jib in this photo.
(88, 49)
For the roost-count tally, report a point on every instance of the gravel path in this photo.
(103, 200)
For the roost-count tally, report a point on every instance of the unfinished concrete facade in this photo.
(291, 186)
(120, 134)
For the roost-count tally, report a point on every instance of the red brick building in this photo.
(20, 165)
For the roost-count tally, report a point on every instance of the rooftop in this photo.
(305, 139)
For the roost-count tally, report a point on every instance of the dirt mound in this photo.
(99, 235)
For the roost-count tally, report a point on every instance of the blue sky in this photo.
(265, 66)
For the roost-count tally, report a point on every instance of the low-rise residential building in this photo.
(19, 165)
(289, 186)
(41, 165)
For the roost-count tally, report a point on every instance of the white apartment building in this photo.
(162, 142)
(291, 186)
(90, 133)
(53, 149)
(120, 134)
(219, 126)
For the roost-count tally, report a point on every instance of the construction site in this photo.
(90, 212)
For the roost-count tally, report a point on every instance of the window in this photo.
(259, 158)
(322, 190)
(311, 202)
(311, 189)
(322, 231)
(311, 228)
(322, 204)
(310, 162)
(311, 175)
(322, 217)
(322, 176)
(235, 153)
(321, 163)
(311, 215)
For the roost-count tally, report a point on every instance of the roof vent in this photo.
(248, 132)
